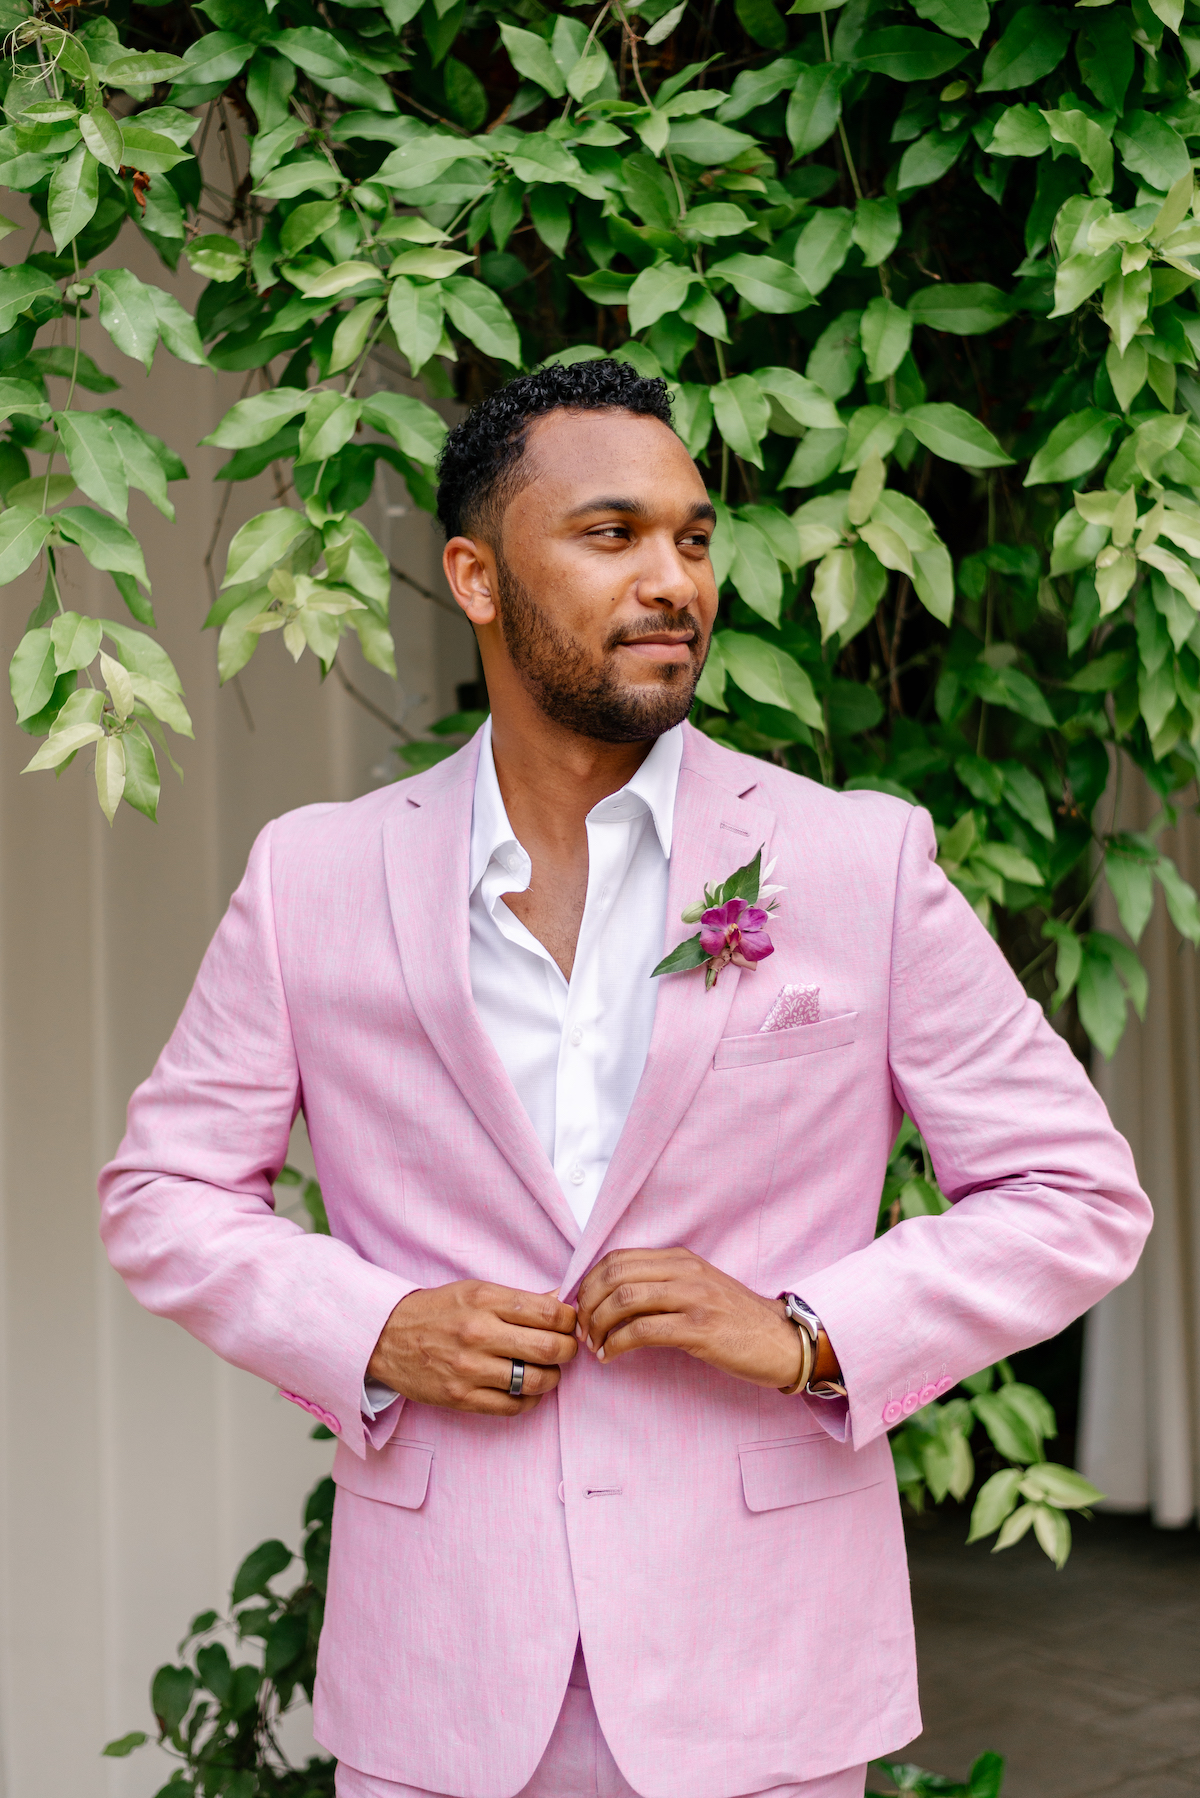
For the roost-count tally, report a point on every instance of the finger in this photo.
(665, 1329)
(623, 1267)
(538, 1380)
(486, 1402)
(544, 1346)
(531, 1310)
(630, 1300)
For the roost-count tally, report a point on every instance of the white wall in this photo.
(136, 1469)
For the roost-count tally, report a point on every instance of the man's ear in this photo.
(470, 569)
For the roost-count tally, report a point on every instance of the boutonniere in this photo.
(732, 925)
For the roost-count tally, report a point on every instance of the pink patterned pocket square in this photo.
(795, 1005)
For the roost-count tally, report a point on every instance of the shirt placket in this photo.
(577, 1159)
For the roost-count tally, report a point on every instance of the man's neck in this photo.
(550, 778)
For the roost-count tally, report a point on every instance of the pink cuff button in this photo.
(892, 1412)
(910, 1403)
(944, 1384)
(927, 1394)
(314, 1410)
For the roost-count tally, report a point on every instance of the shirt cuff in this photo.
(376, 1397)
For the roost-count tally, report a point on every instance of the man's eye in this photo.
(611, 530)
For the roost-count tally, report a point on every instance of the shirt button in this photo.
(512, 863)
(576, 1037)
(577, 1176)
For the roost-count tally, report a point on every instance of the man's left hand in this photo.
(670, 1298)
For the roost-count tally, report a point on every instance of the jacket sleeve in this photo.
(1046, 1211)
(187, 1211)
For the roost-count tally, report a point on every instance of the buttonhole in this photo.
(602, 1491)
(736, 830)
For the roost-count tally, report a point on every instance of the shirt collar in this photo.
(654, 784)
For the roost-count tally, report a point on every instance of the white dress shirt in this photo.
(573, 1049)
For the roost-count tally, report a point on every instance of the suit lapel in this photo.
(714, 832)
(426, 847)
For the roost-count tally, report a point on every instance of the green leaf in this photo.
(1020, 131)
(689, 954)
(967, 311)
(1152, 149)
(258, 418)
(177, 328)
(655, 291)
(1073, 448)
(151, 151)
(356, 561)
(1010, 1433)
(530, 56)
(742, 415)
(76, 641)
(692, 415)
(1092, 143)
(94, 459)
(955, 436)
(706, 142)
(886, 334)
(1034, 42)
(126, 1744)
(74, 195)
(1126, 304)
(928, 159)
(416, 316)
(261, 543)
(1079, 275)
(770, 675)
(260, 1566)
(833, 590)
(482, 317)
(32, 673)
(816, 106)
(218, 258)
(21, 397)
(960, 18)
(755, 571)
(1182, 901)
(799, 397)
(22, 534)
(105, 542)
(907, 53)
(876, 229)
(768, 284)
(147, 461)
(102, 135)
(874, 431)
(142, 787)
(823, 246)
(20, 287)
(127, 313)
(416, 427)
(996, 1499)
(333, 66)
(933, 578)
(171, 1691)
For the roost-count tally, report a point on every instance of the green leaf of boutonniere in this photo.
(743, 883)
(689, 954)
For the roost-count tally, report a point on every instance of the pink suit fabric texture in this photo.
(710, 1541)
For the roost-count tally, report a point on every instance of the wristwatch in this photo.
(808, 1328)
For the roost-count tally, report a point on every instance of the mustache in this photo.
(653, 627)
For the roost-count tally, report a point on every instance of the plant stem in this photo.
(843, 139)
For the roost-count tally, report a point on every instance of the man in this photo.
(614, 1516)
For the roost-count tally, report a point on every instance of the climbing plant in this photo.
(920, 276)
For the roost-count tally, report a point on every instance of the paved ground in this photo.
(1088, 1680)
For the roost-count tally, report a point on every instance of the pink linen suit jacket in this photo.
(712, 1541)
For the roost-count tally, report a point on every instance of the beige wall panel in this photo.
(136, 1469)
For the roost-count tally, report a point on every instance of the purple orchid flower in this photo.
(735, 932)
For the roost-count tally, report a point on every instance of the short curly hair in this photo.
(477, 474)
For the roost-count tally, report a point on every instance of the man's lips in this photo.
(663, 646)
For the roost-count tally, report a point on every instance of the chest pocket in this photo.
(780, 1045)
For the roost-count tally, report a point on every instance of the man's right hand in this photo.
(455, 1346)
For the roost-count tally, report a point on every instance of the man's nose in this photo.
(665, 578)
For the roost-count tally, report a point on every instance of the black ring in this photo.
(518, 1379)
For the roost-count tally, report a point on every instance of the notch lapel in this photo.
(714, 832)
(426, 849)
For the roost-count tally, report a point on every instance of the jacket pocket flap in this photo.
(396, 1475)
(777, 1045)
(805, 1468)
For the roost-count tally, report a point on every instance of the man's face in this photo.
(605, 591)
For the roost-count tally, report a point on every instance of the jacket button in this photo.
(909, 1403)
(892, 1412)
(562, 1497)
(927, 1394)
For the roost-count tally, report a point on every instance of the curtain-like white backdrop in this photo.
(1140, 1435)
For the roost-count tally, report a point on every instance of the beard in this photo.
(584, 695)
